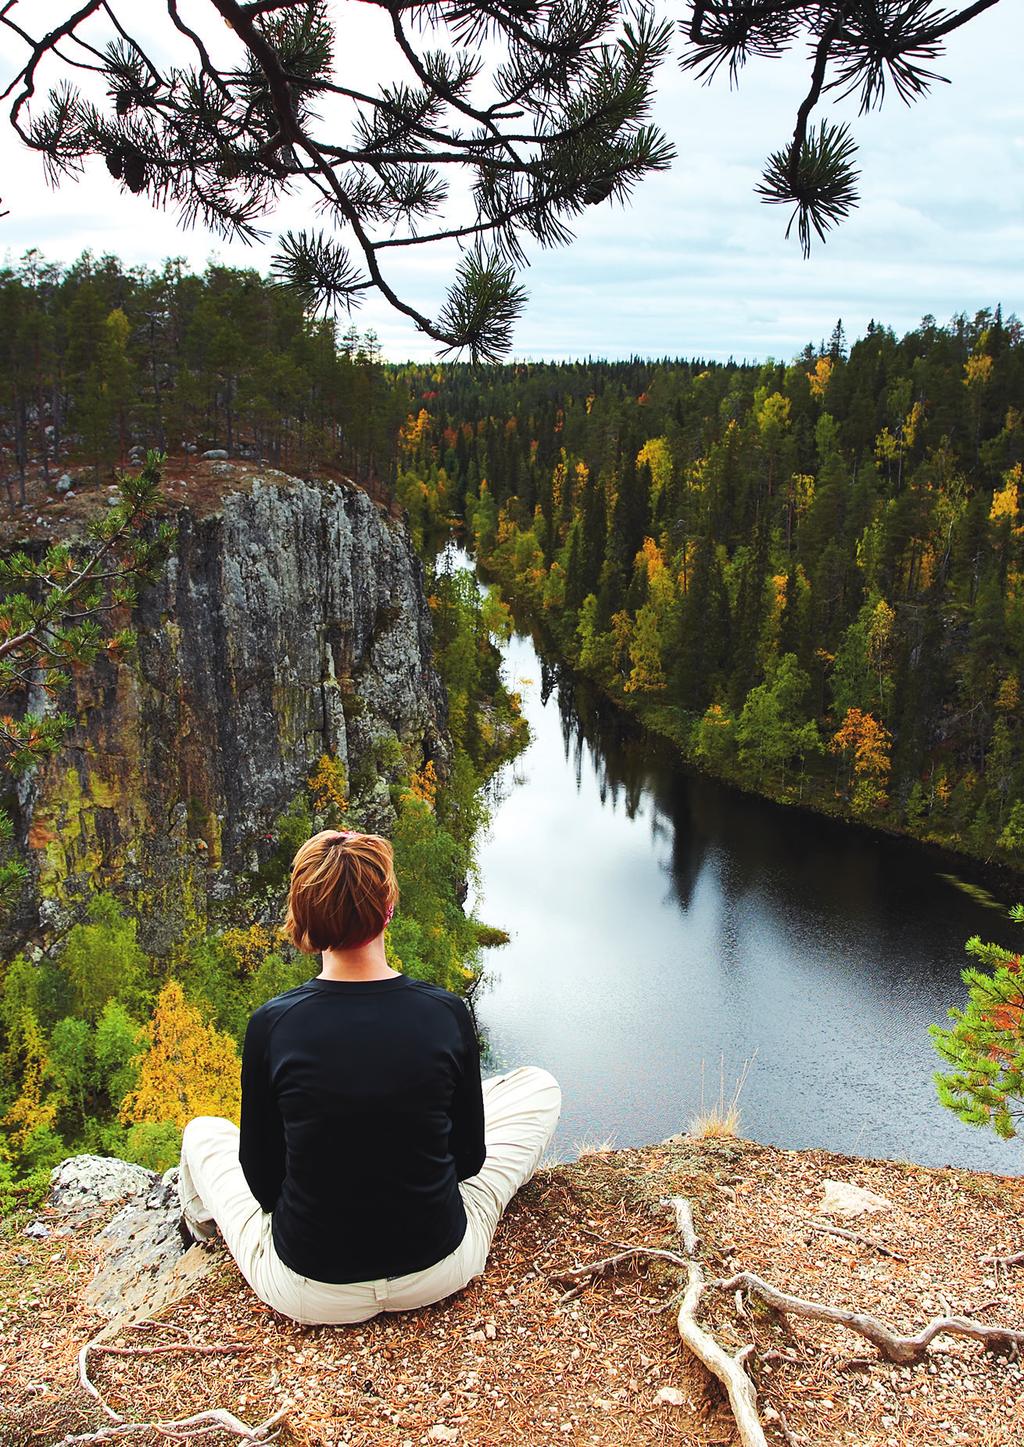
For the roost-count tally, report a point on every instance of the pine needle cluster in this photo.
(511, 118)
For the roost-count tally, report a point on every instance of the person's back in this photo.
(372, 1165)
(362, 1111)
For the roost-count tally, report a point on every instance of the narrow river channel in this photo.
(660, 920)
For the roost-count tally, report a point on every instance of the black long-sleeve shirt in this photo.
(361, 1112)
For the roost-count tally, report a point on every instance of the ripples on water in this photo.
(659, 920)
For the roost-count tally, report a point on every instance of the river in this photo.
(659, 920)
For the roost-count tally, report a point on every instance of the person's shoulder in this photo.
(440, 996)
(267, 1015)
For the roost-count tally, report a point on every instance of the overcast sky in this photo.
(696, 266)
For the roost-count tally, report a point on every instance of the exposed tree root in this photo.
(900, 1349)
(185, 1429)
(729, 1370)
(182, 1429)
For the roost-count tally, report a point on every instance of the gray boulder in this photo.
(82, 1182)
(215, 454)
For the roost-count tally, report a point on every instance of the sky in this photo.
(695, 266)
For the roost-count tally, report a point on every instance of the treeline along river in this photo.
(659, 920)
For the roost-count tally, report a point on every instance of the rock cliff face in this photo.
(289, 622)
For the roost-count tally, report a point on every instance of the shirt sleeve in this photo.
(261, 1134)
(467, 1133)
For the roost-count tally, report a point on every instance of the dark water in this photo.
(659, 920)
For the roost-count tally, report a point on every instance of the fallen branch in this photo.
(600, 1268)
(878, 1246)
(1017, 1259)
(900, 1349)
(728, 1370)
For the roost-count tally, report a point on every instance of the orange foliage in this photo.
(423, 784)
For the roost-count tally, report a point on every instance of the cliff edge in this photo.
(530, 1355)
(289, 622)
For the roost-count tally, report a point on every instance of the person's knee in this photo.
(545, 1086)
(209, 1125)
(201, 1130)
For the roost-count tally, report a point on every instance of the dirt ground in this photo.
(509, 1361)
(187, 482)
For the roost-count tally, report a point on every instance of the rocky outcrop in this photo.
(141, 1260)
(289, 622)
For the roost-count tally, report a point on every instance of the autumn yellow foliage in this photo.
(423, 784)
(1006, 500)
(867, 744)
(328, 785)
(29, 1110)
(819, 379)
(248, 947)
(977, 370)
(190, 1068)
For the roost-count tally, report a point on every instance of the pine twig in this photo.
(878, 1246)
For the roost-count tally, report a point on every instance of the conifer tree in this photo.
(189, 1068)
(985, 1044)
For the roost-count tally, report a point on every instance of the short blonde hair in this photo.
(343, 891)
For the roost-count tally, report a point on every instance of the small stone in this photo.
(216, 454)
(65, 483)
(38, 1230)
(440, 1433)
(113, 501)
(490, 1330)
(671, 1396)
(842, 1198)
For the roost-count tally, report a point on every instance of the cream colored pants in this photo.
(520, 1113)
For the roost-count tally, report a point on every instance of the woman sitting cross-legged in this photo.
(371, 1167)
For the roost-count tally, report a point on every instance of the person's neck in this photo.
(365, 962)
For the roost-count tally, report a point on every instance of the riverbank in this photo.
(512, 1361)
(676, 729)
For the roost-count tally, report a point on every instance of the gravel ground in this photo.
(510, 1362)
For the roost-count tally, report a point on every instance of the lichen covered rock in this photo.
(81, 1183)
(290, 622)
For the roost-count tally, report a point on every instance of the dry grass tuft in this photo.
(722, 1117)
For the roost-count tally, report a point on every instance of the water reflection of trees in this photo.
(631, 768)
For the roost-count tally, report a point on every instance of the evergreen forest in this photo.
(809, 574)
